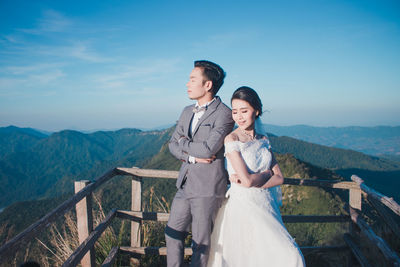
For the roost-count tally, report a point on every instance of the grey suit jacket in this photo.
(201, 179)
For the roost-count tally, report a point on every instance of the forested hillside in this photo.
(383, 141)
(381, 174)
(14, 139)
(158, 194)
(46, 166)
(70, 155)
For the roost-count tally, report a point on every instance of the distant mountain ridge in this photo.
(377, 141)
(381, 174)
(14, 139)
(33, 165)
(48, 166)
(116, 194)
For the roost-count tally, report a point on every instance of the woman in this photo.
(248, 229)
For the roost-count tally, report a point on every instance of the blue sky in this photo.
(113, 64)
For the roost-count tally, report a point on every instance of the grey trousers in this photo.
(201, 213)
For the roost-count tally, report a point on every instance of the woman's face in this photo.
(243, 114)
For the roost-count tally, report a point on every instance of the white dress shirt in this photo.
(196, 118)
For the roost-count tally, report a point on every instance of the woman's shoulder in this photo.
(262, 137)
(232, 143)
(232, 137)
(265, 140)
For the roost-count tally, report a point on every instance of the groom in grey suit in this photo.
(198, 142)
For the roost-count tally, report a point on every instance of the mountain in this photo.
(116, 194)
(35, 165)
(38, 166)
(330, 157)
(378, 141)
(381, 174)
(14, 139)
(59, 159)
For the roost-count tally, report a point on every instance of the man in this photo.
(198, 142)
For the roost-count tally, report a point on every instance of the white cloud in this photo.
(7, 84)
(123, 76)
(46, 77)
(27, 69)
(222, 40)
(26, 78)
(52, 21)
(71, 44)
(11, 38)
(83, 52)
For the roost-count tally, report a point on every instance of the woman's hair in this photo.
(250, 96)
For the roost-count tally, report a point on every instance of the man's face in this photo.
(197, 88)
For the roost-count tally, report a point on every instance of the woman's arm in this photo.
(242, 176)
(277, 176)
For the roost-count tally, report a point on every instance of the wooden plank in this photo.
(163, 217)
(108, 262)
(321, 183)
(389, 254)
(150, 251)
(84, 222)
(388, 202)
(11, 246)
(148, 173)
(138, 215)
(385, 215)
(162, 251)
(78, 254)
(355, 198)
(136, 205)
(356, 251)
(315, 218)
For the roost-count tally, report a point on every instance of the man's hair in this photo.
(212, 72)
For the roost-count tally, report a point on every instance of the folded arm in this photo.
(213, 143)
(242, 176)
(277, 176)
(174, 142)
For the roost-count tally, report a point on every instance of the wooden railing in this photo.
(88, 236)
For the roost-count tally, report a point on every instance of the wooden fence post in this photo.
(84, 219)
(355, 202)
(355, 198)
(136, 205)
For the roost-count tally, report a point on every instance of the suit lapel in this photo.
(188, 121)
(210, 109)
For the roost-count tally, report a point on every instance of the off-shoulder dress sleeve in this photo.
(232, 146)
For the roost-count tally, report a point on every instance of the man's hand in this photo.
(181, 138)
(208, 161)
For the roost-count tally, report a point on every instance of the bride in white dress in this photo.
(248, 229)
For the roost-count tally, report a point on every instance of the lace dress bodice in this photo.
(255, 154)
(258, 158)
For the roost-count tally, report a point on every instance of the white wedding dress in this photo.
(248, 229)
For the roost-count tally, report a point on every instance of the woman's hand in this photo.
(234, 178)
